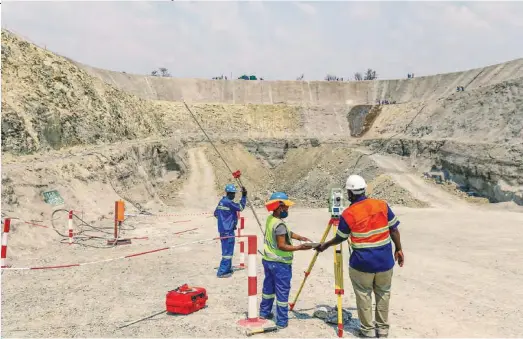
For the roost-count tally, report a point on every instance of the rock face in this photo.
(90, 132)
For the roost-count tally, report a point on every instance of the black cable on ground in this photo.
(81, 235)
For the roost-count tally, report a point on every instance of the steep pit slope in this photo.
(307, 92)
(147, 176)
(475, 136)
(50, 103)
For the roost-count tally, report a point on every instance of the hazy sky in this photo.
(274, 40)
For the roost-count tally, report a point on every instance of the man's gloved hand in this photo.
(244, 192)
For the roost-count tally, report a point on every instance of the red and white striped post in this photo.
(70, 223)
(242, 243)
(252, 311)
(5, 234)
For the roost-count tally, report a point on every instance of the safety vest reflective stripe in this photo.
(226, 256)
(271, 252)
(270, 256)
(370, 244)
(341, 234)
(373, 232)
(282, 303)
(393, 221)
(224, 208)
(268, 296)
(368, 223)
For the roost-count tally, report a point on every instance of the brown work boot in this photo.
(362, 334)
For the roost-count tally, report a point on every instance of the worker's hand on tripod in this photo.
(244, 192)
(399, 257)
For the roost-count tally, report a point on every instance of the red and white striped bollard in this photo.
(242, 243)
(70, 223)
(252, 311)
(5, 234)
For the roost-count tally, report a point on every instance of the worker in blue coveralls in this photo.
(227, 214)
(277, 259)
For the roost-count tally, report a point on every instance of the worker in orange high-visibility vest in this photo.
(372, 226)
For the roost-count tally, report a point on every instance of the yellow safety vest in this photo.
(270, 248)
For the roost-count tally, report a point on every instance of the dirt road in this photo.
(199, 192)
(412, 182)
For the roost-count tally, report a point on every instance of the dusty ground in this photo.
(457, 281)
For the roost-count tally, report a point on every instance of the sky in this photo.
(274, 40)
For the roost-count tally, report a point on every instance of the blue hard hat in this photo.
(279, 196)
(275, 200)
(230, 188)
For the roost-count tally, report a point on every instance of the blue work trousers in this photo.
(277, 283)
(227, 253)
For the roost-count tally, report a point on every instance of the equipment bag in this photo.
(185, 299)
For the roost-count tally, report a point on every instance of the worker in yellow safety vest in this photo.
(277, 259)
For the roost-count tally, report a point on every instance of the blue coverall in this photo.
(226, 213)
(277, 283)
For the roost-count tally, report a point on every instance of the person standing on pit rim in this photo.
(372, 227)
(277, 259)
(227, 214)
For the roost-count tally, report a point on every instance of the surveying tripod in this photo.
(334, 221)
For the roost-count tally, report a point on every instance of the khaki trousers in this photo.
(364, 284)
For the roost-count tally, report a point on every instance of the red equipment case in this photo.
(185, 299)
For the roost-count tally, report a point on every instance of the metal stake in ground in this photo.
(141, 319)
(119, 217)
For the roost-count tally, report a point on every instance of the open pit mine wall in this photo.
(307, 92)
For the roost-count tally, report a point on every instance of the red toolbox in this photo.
(185, 299)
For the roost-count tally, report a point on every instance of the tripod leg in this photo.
(339, 287)
(309, 269)
(338, 282)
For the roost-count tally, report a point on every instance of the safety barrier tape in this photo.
(167, 215)
(34, 224)
(111, 259)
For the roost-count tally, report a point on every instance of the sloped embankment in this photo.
(476, 137)
(48, 102)
(146, 176)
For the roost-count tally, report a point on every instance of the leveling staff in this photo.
(371, 226)
(277, 259)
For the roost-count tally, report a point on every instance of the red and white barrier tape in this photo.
(168, 215)
(107, 260)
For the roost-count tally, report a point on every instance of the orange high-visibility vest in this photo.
(368, 223)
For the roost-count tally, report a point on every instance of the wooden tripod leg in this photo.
(338, 282)
(339, 286)
(311, 265)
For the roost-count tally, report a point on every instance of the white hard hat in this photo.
(356, 184)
